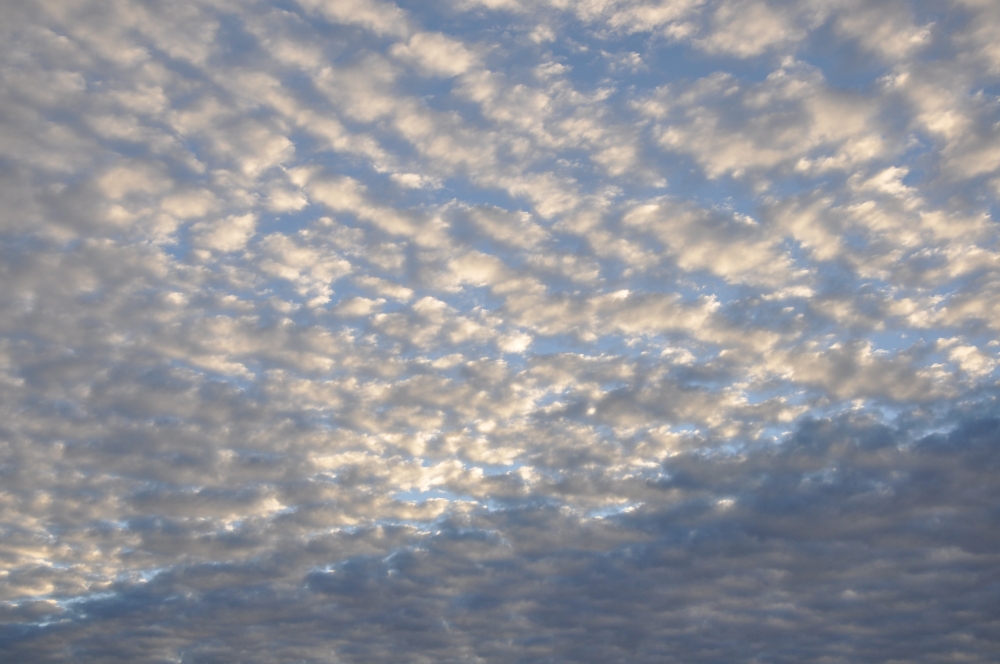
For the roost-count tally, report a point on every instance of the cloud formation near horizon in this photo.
(495, 331)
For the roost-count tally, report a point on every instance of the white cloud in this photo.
(736, 249)
(791, 119)
(343, 330)
(230, 234)
(436, 54)
(383, 18)
(747, 28)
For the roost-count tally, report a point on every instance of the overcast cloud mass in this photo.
(496, 331)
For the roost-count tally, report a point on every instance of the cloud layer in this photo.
(494, 331)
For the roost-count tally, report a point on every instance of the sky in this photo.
(497, 331)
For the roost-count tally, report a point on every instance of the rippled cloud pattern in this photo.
(493, 331)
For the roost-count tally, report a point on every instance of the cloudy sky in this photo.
(492, 331)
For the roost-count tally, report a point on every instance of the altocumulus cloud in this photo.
(498, 331)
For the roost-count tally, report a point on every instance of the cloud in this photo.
(839, 488)
(789, 120)
(734, 248)
(229, 234)
(436, 54)
(382, 18)
(747, 29)
(498, 331)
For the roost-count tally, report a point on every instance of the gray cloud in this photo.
(852, 541)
